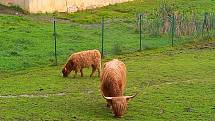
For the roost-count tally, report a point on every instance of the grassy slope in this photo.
(181, 79)
(27, 41)
(30, 44)
(181, 88)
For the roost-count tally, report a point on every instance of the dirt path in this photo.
(8, 10)
(32, 96)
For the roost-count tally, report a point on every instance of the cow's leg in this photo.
(108, 105)
(98, 71)
(93, 71)
(81, 72)
(76, 71)
(108, 101)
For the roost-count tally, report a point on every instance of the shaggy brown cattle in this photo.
(113, 81)
(84, 59)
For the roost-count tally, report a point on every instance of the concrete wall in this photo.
(24, 4)
(42, 6)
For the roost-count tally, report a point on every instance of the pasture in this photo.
(181, 87)
(174, 83)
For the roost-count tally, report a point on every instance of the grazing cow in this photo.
(84, 59)
(113, 81)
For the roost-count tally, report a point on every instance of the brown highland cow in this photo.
(83, 59)
(113, 82)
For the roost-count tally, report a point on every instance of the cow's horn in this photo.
(128, 97)
(107, 98)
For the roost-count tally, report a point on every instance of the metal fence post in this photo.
(173, 29)
(205, 25)
(55, 39)
(140, 21)
(102, 36)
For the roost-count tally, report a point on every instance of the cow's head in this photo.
(119, 104)
(68, 68)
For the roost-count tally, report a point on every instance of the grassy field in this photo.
(181, 87)
(180, 79)
(27, 41)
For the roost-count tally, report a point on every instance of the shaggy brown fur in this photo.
(84, 59)
(113, 81)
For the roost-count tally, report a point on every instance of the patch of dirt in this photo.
(90, 26)
(36, 17)
(204, 45)
(189, 109)
(10, 11)
(32, 96)
(210, 45)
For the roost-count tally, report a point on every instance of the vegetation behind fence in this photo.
(154, 31)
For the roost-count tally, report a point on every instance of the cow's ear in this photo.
(70, 64)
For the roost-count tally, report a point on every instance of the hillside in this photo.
(175, 80)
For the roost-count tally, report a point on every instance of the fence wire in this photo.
(120, 36)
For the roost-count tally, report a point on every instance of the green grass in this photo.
(27, 41)
(181, 79)
(181, 87)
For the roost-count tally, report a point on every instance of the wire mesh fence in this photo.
(120, 36)
(146, 32)
(31, 44)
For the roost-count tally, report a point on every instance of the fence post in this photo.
(55, 39)
(140, 22)
(205, 25)
(102, 36)
(173, 29)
